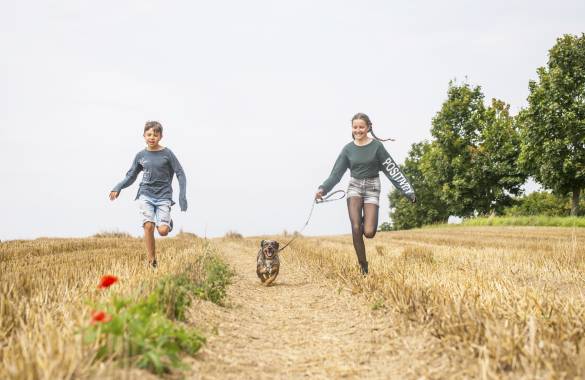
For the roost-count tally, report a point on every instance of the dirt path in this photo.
(303, 327)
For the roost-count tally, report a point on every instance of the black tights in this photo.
(364, 222)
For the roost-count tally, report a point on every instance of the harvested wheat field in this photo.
(441, 303)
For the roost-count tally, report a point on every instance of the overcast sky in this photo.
(255, 97)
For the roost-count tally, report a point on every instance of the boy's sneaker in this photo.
(154, 263)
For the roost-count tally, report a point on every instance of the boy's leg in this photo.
(147, 208)
(149, 239)
(163, 217)
(163, 229)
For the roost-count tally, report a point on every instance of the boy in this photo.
(155, 194)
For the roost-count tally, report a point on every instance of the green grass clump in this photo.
(217, 277)
(173, 295)
(149, 333)
(140, 334)
(537, 220)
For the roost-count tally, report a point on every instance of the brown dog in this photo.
(267, 262)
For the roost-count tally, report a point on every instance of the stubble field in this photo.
(471, 302)
(507, 301)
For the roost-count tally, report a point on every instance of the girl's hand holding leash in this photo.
(114, 195)
(319, 195)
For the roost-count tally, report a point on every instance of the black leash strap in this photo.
(328, 198)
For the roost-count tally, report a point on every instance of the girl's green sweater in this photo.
(365, 162)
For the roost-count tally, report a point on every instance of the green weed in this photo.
(141, 334)
(217, 277)
(147, 333)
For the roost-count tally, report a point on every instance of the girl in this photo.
(364, 157)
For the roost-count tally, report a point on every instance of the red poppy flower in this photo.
(107, 281)
(100, 317)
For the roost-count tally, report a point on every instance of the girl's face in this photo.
(152, 138)
(359, 129)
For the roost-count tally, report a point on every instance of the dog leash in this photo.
(328, 198)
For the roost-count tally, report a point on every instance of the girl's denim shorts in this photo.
(367, 188)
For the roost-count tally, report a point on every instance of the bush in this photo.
(540, 203)
(386, 226)
(112, 234)
(233, 235)
(186, 235)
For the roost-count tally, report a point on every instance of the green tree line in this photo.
(480, 155)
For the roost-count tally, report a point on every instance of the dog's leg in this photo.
(261, 272)
(272, 277)
(270, 280)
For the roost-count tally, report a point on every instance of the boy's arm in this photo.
(394, 174)
(339, 168)
(130, 175)
(178, 169)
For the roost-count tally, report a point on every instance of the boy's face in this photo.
(152, 138)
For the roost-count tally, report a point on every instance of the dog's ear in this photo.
(277, 245)
(262, 243)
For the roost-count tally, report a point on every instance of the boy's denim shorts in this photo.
(155, 210)
(366, 188)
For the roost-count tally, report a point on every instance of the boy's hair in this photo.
(154, 125)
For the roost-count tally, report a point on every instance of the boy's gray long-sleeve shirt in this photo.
(159, 167)
(367, 161)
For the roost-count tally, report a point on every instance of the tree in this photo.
(553, 125)
(470, 166)
(429, 208)
(475, 153)
(455, 129)
(494, 165)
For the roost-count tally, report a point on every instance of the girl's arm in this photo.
(178, 169)
(130, 176)
(394, 174)
(341, 165)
